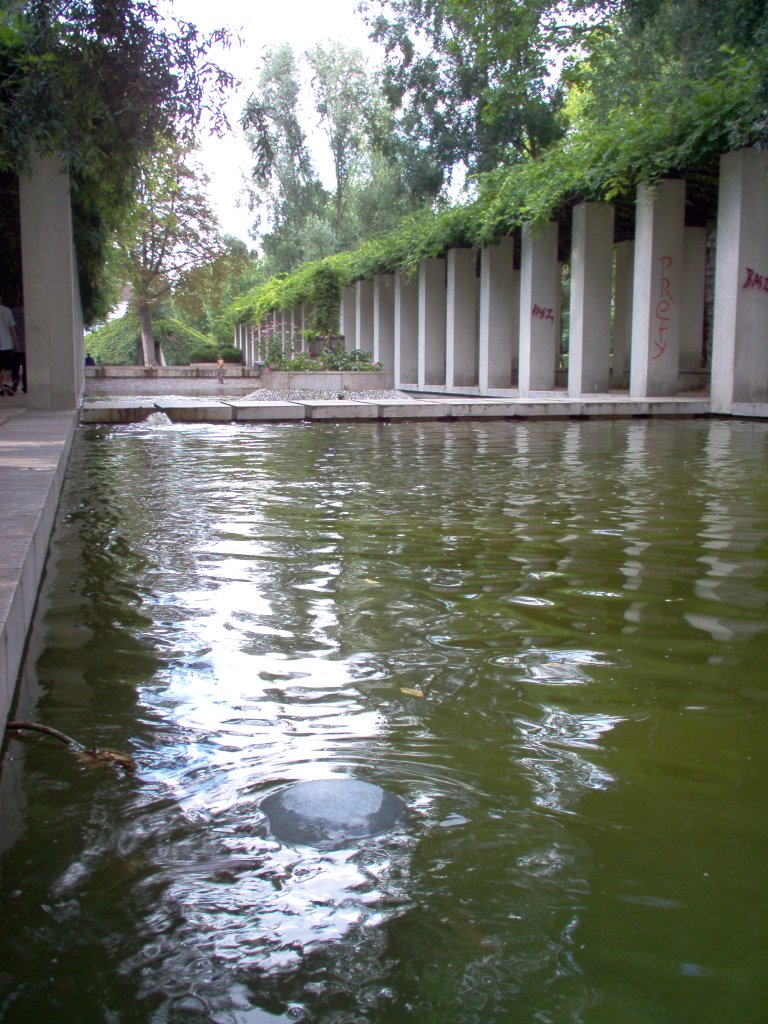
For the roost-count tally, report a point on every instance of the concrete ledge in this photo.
(193, 411)
(537, 406)
(165, 372)
(340, 410)
(34, 449)
(417, 409)
(757, 410)
(118, 411)
(261, 412)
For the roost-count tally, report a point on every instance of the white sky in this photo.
(262, 25)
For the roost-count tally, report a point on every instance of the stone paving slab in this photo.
(118, 411)
(34, 450)
(274, 412)
(340, 410)
(194, 411)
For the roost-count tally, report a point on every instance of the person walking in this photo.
(9, 346)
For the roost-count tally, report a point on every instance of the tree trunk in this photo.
(147, 337)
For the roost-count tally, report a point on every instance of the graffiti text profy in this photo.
(663, 309)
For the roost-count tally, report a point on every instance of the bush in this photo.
(118, 343)
(210, 353)
(327, 360)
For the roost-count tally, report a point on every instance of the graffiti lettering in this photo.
(663, 309)
(755, 280)
(543, 314)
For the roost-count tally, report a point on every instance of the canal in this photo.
(549, 638)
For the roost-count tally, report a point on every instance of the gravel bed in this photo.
(230, 390)
(329, 394)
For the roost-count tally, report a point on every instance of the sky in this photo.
(262, 24)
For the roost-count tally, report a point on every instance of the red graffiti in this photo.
(755, 280)
(663, 309)
(543, 314)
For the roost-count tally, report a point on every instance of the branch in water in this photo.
(124, 761)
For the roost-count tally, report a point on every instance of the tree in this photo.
(343, 97)
(284, 179)
(95, 83)
(378, 174)
(472, 81)
(169, 232)
(201, 294)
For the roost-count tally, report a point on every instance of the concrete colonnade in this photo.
(490, 323)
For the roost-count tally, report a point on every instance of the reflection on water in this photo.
(548, 638)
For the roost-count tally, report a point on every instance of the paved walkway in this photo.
(34, 449)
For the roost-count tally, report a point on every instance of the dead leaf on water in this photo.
(409, 692)
(373, 583)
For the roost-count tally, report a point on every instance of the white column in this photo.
(539, 303)
(622, 312)
(461, 352)
(406, 356)
(52, 313)
(384, 320)
(589, 343)
(657, 295)
(364, 315)
(499, 328)
(740, 337)
(431, 368)
(348, 316)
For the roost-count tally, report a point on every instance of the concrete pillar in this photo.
(622, 312)
(406, 355)
(348, 316)
(657, 294)
(499, 327)
(52, 312)
(364, 315)
(461, 350)
(558, 317)
(740, 337)
(693, 298)
(384, 320)
(589, 344)
(539, 304)
(431, 367)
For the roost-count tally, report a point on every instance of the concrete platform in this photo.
(34, 450)
(211, 410)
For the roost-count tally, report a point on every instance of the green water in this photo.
(583, 607)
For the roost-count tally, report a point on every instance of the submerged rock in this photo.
(329, 811)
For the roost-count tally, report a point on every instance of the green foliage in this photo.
(471, 81)
(667, 123)
(210, 354)
(169, 232)
(343, 359)
(339, 359)
(378, 175)
(118, 343)
(326, 301)
(95, 83)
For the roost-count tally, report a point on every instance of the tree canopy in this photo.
(95, 83)
(377, 175)
(169, 232)
(648, 88)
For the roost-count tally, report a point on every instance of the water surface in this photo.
(549, 638)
